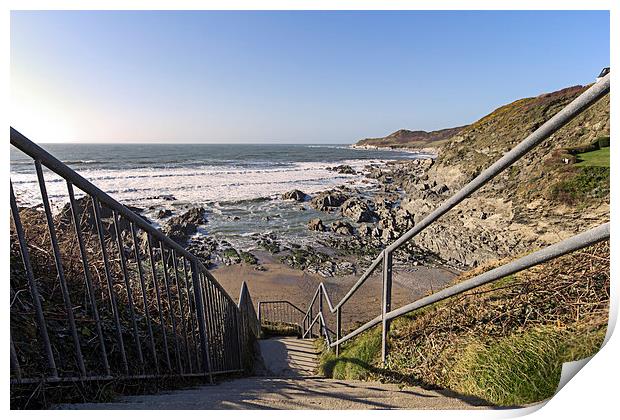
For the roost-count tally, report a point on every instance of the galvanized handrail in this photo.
(572, 110)
(276, 314)
(191, 324)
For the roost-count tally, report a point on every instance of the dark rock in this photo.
(364, 230)
(164, 213)
(357, 210)
(440, 189)
(342, 228)
(180, 228)
(296, 195)
(343, 169)
(328, 199)
(316, 224)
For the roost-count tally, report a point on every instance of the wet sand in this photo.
(281, 282)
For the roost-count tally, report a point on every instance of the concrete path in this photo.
(287, 380)
(288, 394)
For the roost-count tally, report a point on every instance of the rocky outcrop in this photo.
(512, 214)
(180, 228)
(162, 214)
(357, 210)
(327, 200)
(316, 225)
(410, 139)
(342, 228)
(296, 195)
(343, 169)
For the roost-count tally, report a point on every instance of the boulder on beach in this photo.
(296, 195)
(342, 228)
(343, 169)
(328, 199)
(164, 213)
(316, 224)
(357, 210)
(180, 228)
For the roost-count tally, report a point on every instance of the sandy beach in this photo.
(281, 282)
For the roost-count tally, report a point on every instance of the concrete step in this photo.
(289, 357)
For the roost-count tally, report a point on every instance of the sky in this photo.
(286, 76)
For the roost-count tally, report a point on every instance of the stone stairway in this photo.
(288, 357)
(288, 380)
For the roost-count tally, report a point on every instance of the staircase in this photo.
(289, 357)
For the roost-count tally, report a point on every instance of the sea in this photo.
(238, 184)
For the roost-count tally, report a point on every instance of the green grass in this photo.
(598, 158)
(589, 182)
(356, 358)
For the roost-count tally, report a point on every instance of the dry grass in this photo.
(504, 342)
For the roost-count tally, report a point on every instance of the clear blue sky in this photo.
(290, 77)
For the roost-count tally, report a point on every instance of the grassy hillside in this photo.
(412, 139)
(533, 177)
(504, 343)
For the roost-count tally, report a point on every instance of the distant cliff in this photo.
(411, 139)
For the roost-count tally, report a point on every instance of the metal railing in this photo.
(578, 105)
(280, 315)
(120, 299)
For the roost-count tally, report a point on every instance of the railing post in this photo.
(258, 315)
(200, 315)
(321, 325)
(338, 329)
(386, 301)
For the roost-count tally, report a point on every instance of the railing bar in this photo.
(369, 324)
(159, 303)
(201, 319)
(566, 246)
(236, 342)
(208, 320)
(171, 307)
(108, 274)
(181, 310)
(218, 326)
(15, 362)
(210, 310)
(120, 377)
(224, 330)
(75, 214)
(59, 269)
(357, 284)
(192, 321)
(128, 289)
(386, 302)
(227, 335)
(145, 301)
(34, 291)
(236, 316)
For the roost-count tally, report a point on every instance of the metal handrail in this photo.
(568, 113)
(39, 154)
(279, 313)
(210, 333)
